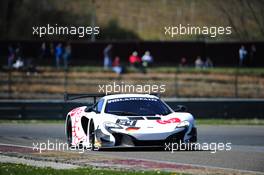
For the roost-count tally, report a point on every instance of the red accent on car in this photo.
(172, 120)
(75, 111)
(132, 128)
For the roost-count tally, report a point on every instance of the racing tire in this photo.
(69, 131)
(92, 136)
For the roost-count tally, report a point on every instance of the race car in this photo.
(128, 120)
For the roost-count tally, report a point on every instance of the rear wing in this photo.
(68, 97)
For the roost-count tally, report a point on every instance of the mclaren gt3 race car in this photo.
(128, 120)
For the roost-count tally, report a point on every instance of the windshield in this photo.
(134, 106)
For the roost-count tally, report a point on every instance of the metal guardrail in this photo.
(201, 108)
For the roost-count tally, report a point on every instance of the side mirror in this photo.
(180, 108)
(89, 109)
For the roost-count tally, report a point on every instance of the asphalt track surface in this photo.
(247, 143)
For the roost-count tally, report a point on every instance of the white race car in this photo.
(128, 120)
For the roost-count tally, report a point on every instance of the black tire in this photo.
(91, 135)
(69, 131)
(193, 133)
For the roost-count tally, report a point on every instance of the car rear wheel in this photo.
(91, 135)
(69, 131)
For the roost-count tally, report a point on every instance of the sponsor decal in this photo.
(172, 120)
(76, 112)
(131, 99)
(125, 122)
(77, 132)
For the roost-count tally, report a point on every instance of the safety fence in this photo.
(200, 108)
(52, 84)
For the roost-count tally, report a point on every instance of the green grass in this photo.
(221, 121)
(230, 121)
(218, 70)
(20, 169)
(171, 69)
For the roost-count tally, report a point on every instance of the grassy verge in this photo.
(20, 169)
(172, 69)
(254, 121)
(215, 70)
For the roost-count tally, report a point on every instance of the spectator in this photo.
(135, 60)
(51, 50)
(183, 62)
(18, 52)
(147, 59)
(242, 55)
(208, 63)
(58, 54)
(253, 53)
(30, 67)
(117, 66)
(108, 56)
(19, 64)
(66, 55)
(199, 62)
(43, 51)
(11, 56)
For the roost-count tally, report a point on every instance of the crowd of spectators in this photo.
(199, 63)
(60, 52)
(247, 58)
(135, 61)
(62, 55)
(16, 60)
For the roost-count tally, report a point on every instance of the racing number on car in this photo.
(126, 122)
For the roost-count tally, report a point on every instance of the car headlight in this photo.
(110, 125)
(183, 124)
